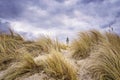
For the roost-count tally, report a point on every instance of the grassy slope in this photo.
(47, 57)
(102, 55)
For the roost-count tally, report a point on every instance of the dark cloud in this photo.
(91, 1)
(4, 27)
(11, 9)
(117, 14)
(61, 1)
(64, 15)
(100, 8)
(114, 20)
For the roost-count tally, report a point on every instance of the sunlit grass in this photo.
(58, 67)
(107, 66)
(26, 65)
(85, 43)
(19, 57)
(47, 44)
(9, 43)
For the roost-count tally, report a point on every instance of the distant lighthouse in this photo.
(110, 29)
(67, 40)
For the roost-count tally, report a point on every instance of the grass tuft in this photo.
(46, 44)
(58, 67)
(85, 43)
(27, 65)
(9, 43)
(107, 66)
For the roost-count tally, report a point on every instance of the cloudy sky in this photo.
(58, 18)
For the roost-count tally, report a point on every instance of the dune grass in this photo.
(26, 65)
(8, 45)
(54, 65)
(19, 57)
(85, 43)
(113, 39)
(30, 48)
(58, 67)
(13, 45)
(107, 66)
(47, 43)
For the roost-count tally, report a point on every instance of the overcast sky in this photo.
(58, 18)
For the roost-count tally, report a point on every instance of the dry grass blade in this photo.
(26, 65)
(85, 43)
(58, 67)
(8, 45)
(107, 66)
(46, 44)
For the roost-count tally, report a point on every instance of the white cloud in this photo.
(70, 2)
(26, 27)
(73, 22)
(37, 11)
(54, 18)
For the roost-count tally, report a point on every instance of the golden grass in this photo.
(54, 65)
(27, 58)
(8, 45)
(58, 67)
(107, 66)
(10, 42)
(46, 43)
(5, 60)
(85, 43)
(113, 39)
(12, 46)
(12, 35)
(31, 48)
(26, 65)
(64, 46)
(12, 49)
